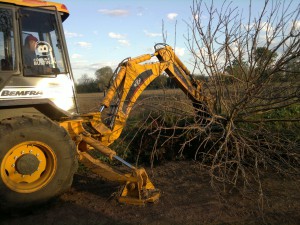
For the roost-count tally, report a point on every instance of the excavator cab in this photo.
(37, 156)
(35, 70)
(41, 29)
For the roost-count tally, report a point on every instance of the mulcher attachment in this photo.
(140, 191)
(138, 188)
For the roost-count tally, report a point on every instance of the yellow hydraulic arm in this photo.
(130, 80)
(134, 75)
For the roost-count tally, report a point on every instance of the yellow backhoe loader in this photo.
(42, 134)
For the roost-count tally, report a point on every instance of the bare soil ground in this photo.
(187, 198)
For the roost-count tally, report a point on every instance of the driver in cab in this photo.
(31, 65)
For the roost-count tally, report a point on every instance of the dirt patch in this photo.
(187, 198)
(89, 102)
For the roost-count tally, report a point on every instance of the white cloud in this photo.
(267, 27)
(124, 42)
(149, 34)
(114, 12)
(86, 66)
(98, 65)
(149, 50)
(179, 51)
(296, 24)
(265, 32)
(81, 67)
(140, 11)
(84, 44)
(202, 17)
(115, 35)
(72, 34)
(79, 64)
(172, 16)
(76, 56)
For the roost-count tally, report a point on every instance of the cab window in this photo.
(7, 47)
(41, 44)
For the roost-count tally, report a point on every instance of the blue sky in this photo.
(103, 32)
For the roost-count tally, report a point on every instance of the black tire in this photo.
(61, 150)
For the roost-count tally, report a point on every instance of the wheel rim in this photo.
(28, 167)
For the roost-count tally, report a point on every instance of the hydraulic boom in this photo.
(130, 80)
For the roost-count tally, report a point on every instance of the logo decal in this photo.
(22, 92)
(43, 53)
(137, 82)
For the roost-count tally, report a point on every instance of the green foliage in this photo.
(292, 70)
(158, 83)
(283, 122)
(89, 85)
(264, 57)
(201, 78)
(290, 129)
(238, 69)
(86, 85)
(290, 112)
(103, 76)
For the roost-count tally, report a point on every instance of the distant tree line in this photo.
(265, 60)
(235, 70)
(102, 77)
(99, 83)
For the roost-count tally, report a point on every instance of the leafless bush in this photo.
(253, 85)
(252, 65)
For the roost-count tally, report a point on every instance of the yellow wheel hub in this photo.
(28, 167)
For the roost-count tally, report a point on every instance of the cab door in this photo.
(47, 58)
